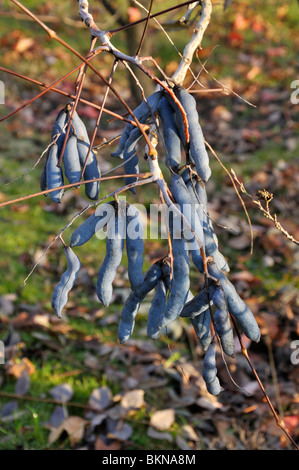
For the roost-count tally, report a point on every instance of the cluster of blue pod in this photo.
(74, 158)
(217, 308)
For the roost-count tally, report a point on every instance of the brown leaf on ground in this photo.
(16, 368)
(132, 401)
(74, 426)
(163, 419)
(100, 445)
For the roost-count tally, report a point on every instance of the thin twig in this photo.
(69, 95)
(99, 117)
(134, 23)
(279, 421)
(78, 87)
(54, 35)
(237, 192)
(267, 198)
(71, 185)
(225, 87)
(15, 396)
(145, 28)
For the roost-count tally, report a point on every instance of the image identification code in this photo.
(157, 459)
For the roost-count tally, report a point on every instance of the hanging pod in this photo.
(209, 371)
(61, 291)
(236, 306)
(54, 175)
(132, 304)
(180, 281)
(134, 246)
(71, 162)
(172, 141)
(95, 222)
(222, 322)
(202, 327)
(197, 149)
(143, 112)
(131, 157)
(92, 170)
(113, 257)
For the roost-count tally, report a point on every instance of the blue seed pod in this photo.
(58, 129)
(142, 113)
(79, 128)
(90, 226)
(180, 282)
(201, 324)
(209, 371)
(211, 240)
(71, 162)
(198, 304)
(61, 291)
(112, 260)
(198, 150)
(92, 170)
(132, 304)
(171, 135)
(222, 322)
(134, 246)
(182, 197)
(131, 158)
(54, 176)
(236, 306)
(156, 310)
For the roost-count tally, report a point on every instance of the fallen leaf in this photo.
(161, 436)
(58, 415)
(41, 320)
(22, 384)
(240, 243)
(97, 420)
(16, 368)
(292, 423)
(132, 400)
(189, 433)
(182, 443)
(23, 44)
(122, 432)
(7, 304)
(134, 14)
(163, 419)
(62, 392)
(100, 445)
(9, 408)
(74, 426)
(100, 398)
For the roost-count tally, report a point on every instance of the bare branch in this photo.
(195, 42)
